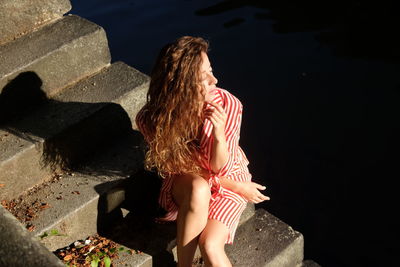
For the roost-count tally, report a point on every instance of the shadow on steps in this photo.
(20, 96)
(68, 134)
(138, 229)
(71, 131)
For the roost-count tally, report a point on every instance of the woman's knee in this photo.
(191, 190)
(200, 192)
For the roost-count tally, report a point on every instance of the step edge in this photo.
(95, 29)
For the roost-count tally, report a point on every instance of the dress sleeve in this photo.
(233, 108)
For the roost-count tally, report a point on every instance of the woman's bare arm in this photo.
(219, 152)
(220, 155)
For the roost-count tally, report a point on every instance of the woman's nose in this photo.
(213, 80)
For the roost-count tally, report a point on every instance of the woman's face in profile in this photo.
(208, 81)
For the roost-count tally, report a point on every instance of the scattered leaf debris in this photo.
(83, 253)
(25, 214)
(26, 211)
(30, 227)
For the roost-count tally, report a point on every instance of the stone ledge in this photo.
(59, 54)
(18, 248)
(23, 16)
(91, 112)
(264, 240)
(81, 203)
(136, 260)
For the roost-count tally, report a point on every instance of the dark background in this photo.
(320, 87)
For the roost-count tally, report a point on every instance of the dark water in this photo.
(320, 87)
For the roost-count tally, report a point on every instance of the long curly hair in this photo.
(171, 118)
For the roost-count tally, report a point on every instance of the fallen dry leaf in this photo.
(68, 257)
(44, 206)
(2, 185)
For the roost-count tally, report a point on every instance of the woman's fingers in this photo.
(215, 118)
(216, 105)
(214, 113)
(259, 187)
(217, 108)
(213, 121)
(263, 197)
(250, 191)
(259, 199)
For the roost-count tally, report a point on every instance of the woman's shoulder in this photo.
(228, 98)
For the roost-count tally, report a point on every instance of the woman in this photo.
(192, 129)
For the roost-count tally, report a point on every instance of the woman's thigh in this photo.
(190, 187)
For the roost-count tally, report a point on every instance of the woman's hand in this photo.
(217, 116)
(250, 191)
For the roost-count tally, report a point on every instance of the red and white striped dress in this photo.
(225, 206)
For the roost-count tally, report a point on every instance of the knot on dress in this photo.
(217, 190)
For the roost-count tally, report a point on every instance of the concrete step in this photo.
(57, 54)
(81, 203)
(74, 122)
(264, 240)
(261, 240)
(139, 231)
(19, 17)
(140, 259)
(18, 249)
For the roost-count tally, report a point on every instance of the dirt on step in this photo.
(25, 211)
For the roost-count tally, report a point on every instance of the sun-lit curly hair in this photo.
(171, 118)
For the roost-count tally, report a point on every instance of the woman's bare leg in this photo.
(212, 244)
(192, 194)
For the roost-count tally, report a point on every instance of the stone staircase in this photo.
(69, 145)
